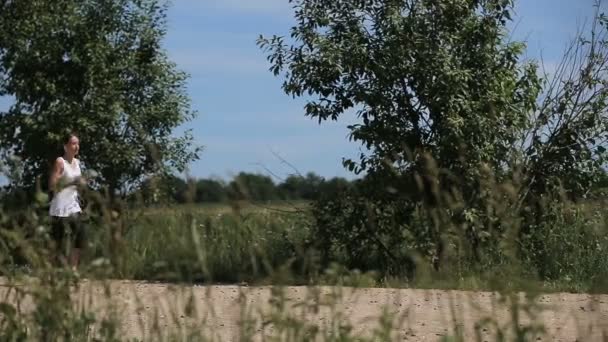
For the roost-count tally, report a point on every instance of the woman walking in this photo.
(66, 223)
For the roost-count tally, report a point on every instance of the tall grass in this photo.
(209, 245)
(250, 246)
(220, 244)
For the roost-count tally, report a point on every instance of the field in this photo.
(475, 211)
(243, 272)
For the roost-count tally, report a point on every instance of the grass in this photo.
(235, 207)
(267, 245)
(172, 243)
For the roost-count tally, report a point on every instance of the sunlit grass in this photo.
(180, 254)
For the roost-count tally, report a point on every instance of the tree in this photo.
(210, 190)
(564, 145)
(97, 68)
(291, 188)
(163, 189)
(431, 78)
(444, 102)
(254, 187)
(437, 87)
(334, 187)
(297, 187)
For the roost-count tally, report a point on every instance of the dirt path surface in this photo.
(150, 310)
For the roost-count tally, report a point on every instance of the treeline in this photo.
(244, 186)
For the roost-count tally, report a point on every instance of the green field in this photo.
(253, 245)
(206, 243)
(476, 208)
(275, 242)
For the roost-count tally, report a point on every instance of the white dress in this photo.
(65, 202)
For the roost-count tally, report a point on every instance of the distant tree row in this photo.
(244, 186)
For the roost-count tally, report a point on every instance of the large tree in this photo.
(443, 79)
(445, 104)
(425, 77)
(97, 68)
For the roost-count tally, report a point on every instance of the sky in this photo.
(245, 120)
(247, 123)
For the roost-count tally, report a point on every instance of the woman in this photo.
(65, 208)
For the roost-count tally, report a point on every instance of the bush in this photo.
(569, 245)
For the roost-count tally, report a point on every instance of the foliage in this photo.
(244, 186)
(565, 143)
(210, 190)
(301, 187)
(97, 68)
(424, 77)
(211, 244)
(444, 103)
(437, 76)
(569, 243)
(165, 188)
(375, 238)
(247, 186)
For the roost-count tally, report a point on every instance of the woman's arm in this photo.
(55, 174)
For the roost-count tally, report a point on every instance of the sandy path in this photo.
(150, 310)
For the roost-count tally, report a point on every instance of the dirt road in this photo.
(234, 313)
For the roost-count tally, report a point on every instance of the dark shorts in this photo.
(68, 229)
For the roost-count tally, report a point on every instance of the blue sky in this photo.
(244, 118)
(245, 121)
